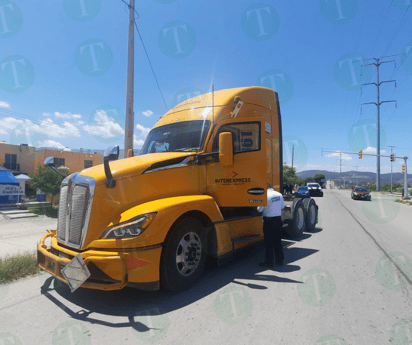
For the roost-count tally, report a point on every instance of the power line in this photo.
(154, 74)
(386, 16)
(356, 47)
(134, 10)
(397, 29)
(396, 69)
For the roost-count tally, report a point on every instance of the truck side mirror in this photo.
(226, 149)
(110, 154)
(49, 163)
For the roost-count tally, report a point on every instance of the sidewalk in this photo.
(19, 236)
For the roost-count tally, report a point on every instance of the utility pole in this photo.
(405, 179)
(378, 83)
(391, 166)
(129, 122)
(340, 171)
(293, 152)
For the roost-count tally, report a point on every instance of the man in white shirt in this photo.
(272, 227)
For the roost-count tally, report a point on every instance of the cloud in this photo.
(67, 115)
(345, 157)
(147, 113)
(51, 143)
(105, 126)
(143, 130)
(10, 123)
(137, 142)
(47, 127)
(58, 131)
(7, 105)
(46, 114)
(140, 137)
(373, 150)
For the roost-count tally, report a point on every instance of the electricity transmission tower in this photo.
(378, 83)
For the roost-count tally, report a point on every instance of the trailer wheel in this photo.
(184, 256)
(311, 215)
(297, 225)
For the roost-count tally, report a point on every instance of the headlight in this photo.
(132, 228)
(354, 193)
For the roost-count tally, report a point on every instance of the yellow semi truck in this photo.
(151, 220)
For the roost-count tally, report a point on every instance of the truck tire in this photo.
(297, 225)
(184, 255)
(311, 215)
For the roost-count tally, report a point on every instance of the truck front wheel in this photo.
(184, 255)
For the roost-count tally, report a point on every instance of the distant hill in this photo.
(361, 176)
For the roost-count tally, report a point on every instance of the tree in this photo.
(47, 180)
(319, 176)
(289, 175)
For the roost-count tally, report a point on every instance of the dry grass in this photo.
(17, 266)
(406, 202)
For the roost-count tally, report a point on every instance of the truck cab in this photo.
(151, 220)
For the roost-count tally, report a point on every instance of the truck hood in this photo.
(134, 166)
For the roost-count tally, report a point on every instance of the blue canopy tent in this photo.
(7, 177)
(10, 190)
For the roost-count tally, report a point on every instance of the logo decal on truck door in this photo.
(230, 174)
(230, 179)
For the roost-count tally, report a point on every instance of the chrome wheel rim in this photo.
(188, 253)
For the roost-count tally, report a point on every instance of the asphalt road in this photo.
(22, 235)
(348, 282)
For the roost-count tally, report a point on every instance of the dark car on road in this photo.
(303, 192)
(315, 189)
(360, 193)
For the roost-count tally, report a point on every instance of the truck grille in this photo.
(75, 204)
(61, 224)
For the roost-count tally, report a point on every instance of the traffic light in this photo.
(360, 154)
(403, 168)
(392, 157)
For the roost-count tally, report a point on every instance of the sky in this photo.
(63, 70)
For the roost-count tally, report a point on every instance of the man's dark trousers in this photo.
(272, 227)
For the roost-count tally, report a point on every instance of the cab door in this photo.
(244, 183)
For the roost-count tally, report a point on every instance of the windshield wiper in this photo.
(194, 149)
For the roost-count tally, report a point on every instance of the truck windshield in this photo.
(186, 136)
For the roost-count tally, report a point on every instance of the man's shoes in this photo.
(266, 264)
